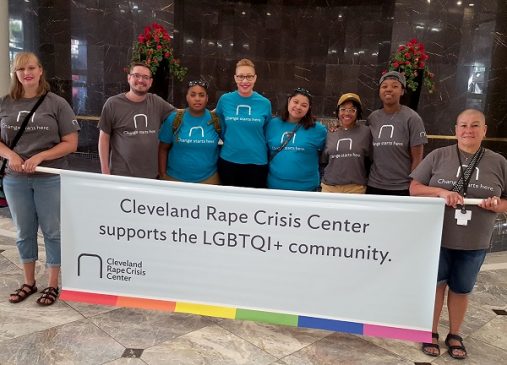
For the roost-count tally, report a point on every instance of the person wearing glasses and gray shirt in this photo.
(244, 115)
(129, 125)
(347, 154)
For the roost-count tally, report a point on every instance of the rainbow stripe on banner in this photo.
(249, 315)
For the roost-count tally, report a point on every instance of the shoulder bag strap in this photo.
(286, 141)
(22, 129)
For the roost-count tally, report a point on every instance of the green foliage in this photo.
(410, 59)
(155, 45)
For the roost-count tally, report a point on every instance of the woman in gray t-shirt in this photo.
(465, 170)
(34, 198)
(347, 149)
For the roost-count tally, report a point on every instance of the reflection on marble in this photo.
(6, 266)
(90, 310)
(12, 255)
(78, 342)
(475, 318)
(479, 353)
(405, 349)
(76, 333)
(146, 328)
(329, 47)
(494, 332)
(496, 261)
(497, 277)
(278, 341)
(491, 290)
(26, 317)
(212, 345)
(125, 361)
(342, 349)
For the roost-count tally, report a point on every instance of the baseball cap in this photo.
(393, 75)
(349, 97)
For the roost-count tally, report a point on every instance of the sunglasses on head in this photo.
(201, 83)
(302, 91)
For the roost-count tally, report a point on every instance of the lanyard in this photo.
(474, 161)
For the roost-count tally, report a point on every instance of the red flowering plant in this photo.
(410, 60)
(153, 46)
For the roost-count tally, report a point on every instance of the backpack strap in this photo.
(216, 122)
(178, 119)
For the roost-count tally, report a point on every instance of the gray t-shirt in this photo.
(344, 154)
(441, 169)
(133, 128)
(393, 136)
(53, 119)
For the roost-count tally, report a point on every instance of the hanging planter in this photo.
(153, 47)
(411, 60)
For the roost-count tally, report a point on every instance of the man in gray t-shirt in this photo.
(129, 125)
(398, 139)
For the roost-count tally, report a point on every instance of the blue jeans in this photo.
(35, 201)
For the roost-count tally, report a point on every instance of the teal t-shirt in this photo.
(194, 152)
(243, 121)
(296, 167)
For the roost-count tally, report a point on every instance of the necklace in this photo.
(465, 155)
(392, 116)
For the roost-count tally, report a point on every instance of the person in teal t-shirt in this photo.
(244, 114)
(188, 148)
(294, 141)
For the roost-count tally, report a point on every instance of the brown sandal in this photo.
(426, 346)
(22, 293)
(48, 296)
(452, 348)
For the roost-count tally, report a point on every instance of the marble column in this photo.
(4, 47)
(496, 101)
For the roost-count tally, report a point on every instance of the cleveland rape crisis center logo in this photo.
(119, 270)
(243, 230)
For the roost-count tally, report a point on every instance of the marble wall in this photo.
(327, 46)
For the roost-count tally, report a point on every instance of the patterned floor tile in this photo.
(278, 341)
(75, 343)
(139, 328)
(341, 348)
(212, 345)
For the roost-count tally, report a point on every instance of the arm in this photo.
(494, 204)
(104, 140)
(452, 198)
(68, 144)
(15, 162)
(416, 156)
(163, 151)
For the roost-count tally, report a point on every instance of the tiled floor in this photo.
(73, 333)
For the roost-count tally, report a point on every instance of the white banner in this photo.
(357, 258)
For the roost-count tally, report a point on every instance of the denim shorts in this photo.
(459, 268)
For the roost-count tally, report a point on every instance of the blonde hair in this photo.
(21, 59)
(245, 62)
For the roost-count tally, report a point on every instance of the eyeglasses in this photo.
(139, 76)
(201, 83)
(244, 77)
(347, 110)
(302, 91)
